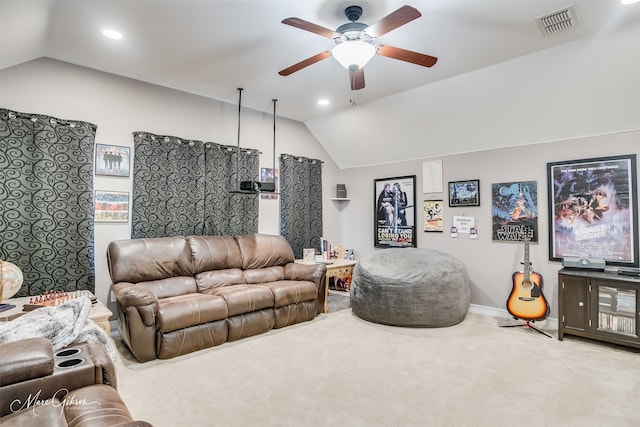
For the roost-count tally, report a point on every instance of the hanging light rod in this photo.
(254, 187)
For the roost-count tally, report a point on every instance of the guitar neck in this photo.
(527, 264)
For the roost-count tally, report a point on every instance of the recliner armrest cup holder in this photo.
(67, 352)
(68, 358)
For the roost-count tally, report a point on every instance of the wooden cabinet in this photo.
(599, 305)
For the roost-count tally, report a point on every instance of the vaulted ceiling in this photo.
(210, 48)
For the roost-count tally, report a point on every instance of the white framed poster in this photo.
(432, 176)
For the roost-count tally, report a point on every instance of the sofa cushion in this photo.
(263, 250)
(263, 275)
(193, 338)
(214, 253)
(143, 260)
(244, 298)
(171, 287)
(188, 310)
(249, 324)
(217, 278)
(295, 313)
(292, 292)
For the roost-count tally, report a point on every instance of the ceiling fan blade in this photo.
(407, 55)
(302, 64)
(392, 21)
(311, 27)
(357, 78)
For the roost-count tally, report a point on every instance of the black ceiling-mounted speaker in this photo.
(341, 191)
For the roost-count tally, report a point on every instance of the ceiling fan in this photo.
(355, 43)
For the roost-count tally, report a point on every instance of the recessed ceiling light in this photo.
(323, 102)
(112, 34)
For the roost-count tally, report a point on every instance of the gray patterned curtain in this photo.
(229, 213)
(46, 201)
(182, 187)
(301, 202)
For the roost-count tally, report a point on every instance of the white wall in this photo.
(587, 87)
(489, 264)
(120, 106)
(574, 101)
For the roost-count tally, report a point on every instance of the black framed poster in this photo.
(395, 211)
(593, 209)
(464, 193)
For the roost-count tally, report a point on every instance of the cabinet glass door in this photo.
(617, 310)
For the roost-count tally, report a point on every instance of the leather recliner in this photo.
(75, 386)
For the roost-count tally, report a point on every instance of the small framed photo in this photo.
(464, 193)
(433, 215)
(112, 160)
(111, 206)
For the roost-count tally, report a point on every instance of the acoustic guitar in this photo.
(526, 300)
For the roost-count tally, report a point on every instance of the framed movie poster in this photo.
(593, 209)
(395, 212)
(515, 211)
(464, 193)
(112, 160)
(433, 215)
(111, 206)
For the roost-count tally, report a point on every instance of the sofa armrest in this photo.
(312, 272)
(26, 359)
(137, 315)
(315, 273)
(105, 370)
(131, 295)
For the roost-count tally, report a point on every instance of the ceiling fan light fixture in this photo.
(353, 52)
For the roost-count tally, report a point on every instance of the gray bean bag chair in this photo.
(410, 287)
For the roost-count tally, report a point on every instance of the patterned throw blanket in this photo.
(64, 324)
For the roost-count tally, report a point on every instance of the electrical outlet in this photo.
(113, 297)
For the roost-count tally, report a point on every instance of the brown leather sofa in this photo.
(71, 387)
(176, 295)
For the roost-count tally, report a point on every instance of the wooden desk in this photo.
(341, 268)
(99, 313)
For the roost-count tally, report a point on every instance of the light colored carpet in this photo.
(338, 370)
(338, 300)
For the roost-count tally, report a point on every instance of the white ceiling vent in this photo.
(558, 21)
